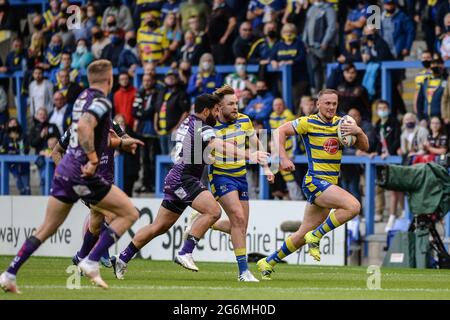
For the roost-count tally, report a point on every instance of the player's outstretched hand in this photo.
(287, 165)
(131, 144)
(260, 157)
(88, 170)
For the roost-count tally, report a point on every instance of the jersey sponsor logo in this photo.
(181, 193)
(331, 146)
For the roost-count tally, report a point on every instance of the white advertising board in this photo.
(20, 216)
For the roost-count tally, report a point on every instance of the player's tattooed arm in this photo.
(86, 126)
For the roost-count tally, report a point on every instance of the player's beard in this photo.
(210, 120)
(231, 116)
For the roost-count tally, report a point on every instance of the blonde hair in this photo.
(99, 72)
(223, 91)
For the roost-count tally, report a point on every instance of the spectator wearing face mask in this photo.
(152, 45)
(99, 42)
(53, 53)
(262, 48)
(113, 50)
(129, 57)
(259, 109)
(386, 142)
(67, 36)
(437, 142)
(171, 108)
(93, 18)
(431, 91)
(190, 51)
(422, 75)
(206, 80)
(241, 80)
(124, 98)
(122, 14)
(15, 142)
(82, 57)
(144, 7)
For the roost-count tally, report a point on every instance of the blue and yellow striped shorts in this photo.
(313, 187)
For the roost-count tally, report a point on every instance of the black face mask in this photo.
(63, 27)
(354, 44)
(98, 35)
(370, 37)
(38, 26)
(261, 92)
(272, 34)
(132, 42)
(390, 11)
(112, 24)
(152, 24)
(436, 71)
(13, 129)
(426, 63)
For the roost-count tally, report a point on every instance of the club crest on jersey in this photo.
(331, 146)
(238, 126)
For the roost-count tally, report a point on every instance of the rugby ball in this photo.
(346, 140)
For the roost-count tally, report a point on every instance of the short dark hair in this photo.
(348, 66)
(381, 101)
(205, 101)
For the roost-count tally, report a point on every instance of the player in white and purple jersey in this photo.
(76, 178)
(195, 139)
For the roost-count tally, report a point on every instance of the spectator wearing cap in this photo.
(144, 112)
(99, 42)
(197, 8)
(122, 14)
(220, 28)
(170, 6)
(206, 80)
(397, 29)
(259, 108)
(40, 92)
(152, 45)
(129, 57)
(82, 57)
(61, 115)
(241, 80)
(261, 11)
(124, 98)
(144, 7)
(243, 43)
(431, 91)
(319, 37)
(171, 108)
(262, 48)
(68, 88)
(352, 94)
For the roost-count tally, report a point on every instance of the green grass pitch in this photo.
(45, 278)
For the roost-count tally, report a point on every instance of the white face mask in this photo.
(81, 49)
(206, 66)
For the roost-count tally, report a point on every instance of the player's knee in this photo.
(237, 219)
(355, 208)
(134, 215)
(215, 212)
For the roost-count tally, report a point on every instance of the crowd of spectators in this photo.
(192, 37)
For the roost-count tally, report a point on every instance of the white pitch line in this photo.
(281, 290)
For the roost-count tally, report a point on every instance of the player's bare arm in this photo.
(86, 126)
(362, 142)
(57, 153)
(230, 149)
(126, 143)
(255, 144)
(284, 131)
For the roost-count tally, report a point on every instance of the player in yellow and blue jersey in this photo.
(227, 176)
(324, 151)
